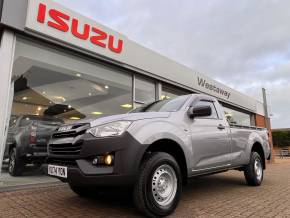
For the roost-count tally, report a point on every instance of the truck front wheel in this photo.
(159, 185)
(254, 170)
(15, 165)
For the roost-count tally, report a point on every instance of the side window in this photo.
(213, 109)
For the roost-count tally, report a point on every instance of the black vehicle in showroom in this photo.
(27, 140)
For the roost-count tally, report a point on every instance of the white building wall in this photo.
(6, 62)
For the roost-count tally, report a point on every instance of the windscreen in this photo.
(46, 124)
(163, 105)
(40, 121)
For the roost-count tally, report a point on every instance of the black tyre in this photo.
(254, 171)
(157, 191)
(15, 165)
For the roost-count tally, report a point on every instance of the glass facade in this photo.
(237, 117)
(70, 96)
(145, 91)
(169, 92)
(52, 87)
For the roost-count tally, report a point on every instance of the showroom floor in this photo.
(29, 177)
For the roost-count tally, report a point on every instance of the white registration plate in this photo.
(59, 171)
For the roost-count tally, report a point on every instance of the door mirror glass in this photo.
(199, 111)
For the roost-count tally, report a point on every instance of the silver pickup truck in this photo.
(154, 149)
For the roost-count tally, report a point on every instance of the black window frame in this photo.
(140, 77)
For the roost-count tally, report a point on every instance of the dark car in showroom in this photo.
(27, 140)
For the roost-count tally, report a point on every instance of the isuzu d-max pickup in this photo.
(27, 140)
(154, 149)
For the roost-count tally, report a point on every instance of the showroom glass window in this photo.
(169, 92)
(237, 117)
(145, 91)
(52, 87)
(60, 90)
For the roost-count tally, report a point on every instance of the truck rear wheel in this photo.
(254, 170)
(15, 165)
(158, 189)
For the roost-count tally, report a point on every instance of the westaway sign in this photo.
(213, 88)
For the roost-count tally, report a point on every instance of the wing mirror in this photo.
(199, 111)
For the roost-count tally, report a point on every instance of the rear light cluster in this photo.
(32, 137)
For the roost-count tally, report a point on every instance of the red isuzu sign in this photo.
(52, 20)
(68, 24)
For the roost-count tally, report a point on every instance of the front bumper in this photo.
(76, 177)
(31, 153)
(127, 152)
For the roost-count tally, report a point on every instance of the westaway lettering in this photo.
(203, 83)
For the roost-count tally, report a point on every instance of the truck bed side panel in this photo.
(243, 140)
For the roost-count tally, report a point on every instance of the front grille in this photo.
(70, 136)
(67, 134)
(65, 149)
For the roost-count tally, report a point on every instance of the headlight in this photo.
(110, 129)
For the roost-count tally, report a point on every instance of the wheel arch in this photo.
(10, 148)
(257, 147)
(174, 149)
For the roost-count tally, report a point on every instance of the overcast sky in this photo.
(244, 44)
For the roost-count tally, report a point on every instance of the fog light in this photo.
(109, 159)
(95, 161)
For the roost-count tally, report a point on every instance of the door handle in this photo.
(221, 126)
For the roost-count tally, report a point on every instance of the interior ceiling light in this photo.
(106, 87)
(43, 92)
(24, 98)
(164, 97)
(60, 98)
(78, 75)
(98, 88)
(39, 108)
(69, 106)
(126, 105)
(74, 118)
(97, 113)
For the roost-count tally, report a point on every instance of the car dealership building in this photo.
(56, 62)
